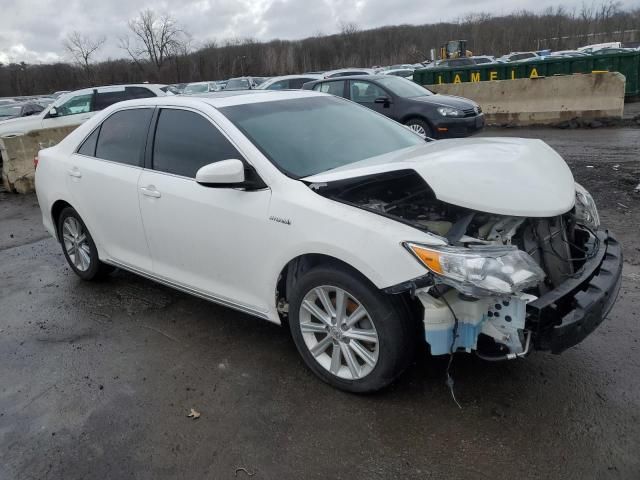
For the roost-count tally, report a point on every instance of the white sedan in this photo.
(367, 238)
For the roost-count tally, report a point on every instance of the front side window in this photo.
(305, 136)
(186, 141)
(366, 92)
(123, 136)
(75, 105)
(334, 88)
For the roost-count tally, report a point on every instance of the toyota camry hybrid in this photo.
(303, 208)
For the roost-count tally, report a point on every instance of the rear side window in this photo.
(296, 83)
(281, 85)
(88, 147)
(123, 136)
(185, 142)
(107, 98)
(334, 88)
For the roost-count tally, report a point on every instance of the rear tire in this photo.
(360, 357)
(419, 126)
(79, 248)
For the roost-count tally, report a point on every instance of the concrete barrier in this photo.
(18, 152)
(544, 100)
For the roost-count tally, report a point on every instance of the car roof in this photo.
(224, 98)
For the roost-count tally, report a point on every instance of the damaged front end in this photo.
(504, 283)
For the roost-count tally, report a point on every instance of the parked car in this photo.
(19, 109)
(568, 53)
(599, 46)
(519, 57)
(287, 82)
(427, 114)
(200, 87)
(612, 51)
(76, 107)
(400, 72)
(482, 59)
(452, 63)
(366, 238)
(241, 83)
(345, 72)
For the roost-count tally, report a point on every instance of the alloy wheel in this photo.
(76, 243)
(339, 332)
(419, 129)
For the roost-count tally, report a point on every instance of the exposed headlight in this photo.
(480, 271)
(586, 210)
(449, 112)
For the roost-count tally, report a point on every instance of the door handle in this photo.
(74, 172)
(150, 191)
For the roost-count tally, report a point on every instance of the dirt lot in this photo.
(96, 380)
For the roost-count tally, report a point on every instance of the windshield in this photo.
(237, 84)
(306, 136)
(403, 88)
(197, 88)
(10, 111)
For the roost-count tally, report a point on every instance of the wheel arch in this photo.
(56, 209)
(300, 264)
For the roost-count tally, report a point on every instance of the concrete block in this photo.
(18, 152)
(544, 100)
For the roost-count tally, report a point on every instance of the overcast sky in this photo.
(33, 30)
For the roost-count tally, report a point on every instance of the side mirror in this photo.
(53, 112)
(226, 173)
(384, 100)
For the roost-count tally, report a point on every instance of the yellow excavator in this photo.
(454, 49)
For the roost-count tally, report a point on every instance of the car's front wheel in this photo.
(79, 248)
(350, 334)
(419, 126)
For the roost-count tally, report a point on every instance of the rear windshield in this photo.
(306, 136)
(237, 84)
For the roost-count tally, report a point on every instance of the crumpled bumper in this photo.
(563, 317)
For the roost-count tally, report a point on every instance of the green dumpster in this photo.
(626, 63)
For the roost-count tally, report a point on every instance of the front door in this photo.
(200, 237)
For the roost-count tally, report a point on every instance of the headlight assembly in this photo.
(449, 112)
(480, 271)
(586, 210)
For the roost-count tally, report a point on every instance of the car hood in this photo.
(446, 101)
(504, 176)
(20, 124)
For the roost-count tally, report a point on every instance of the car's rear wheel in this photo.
(78, 246)
(350, 334)
(419, 126)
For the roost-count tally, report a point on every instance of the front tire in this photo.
(420, 127)
(79, 248)
(348, 333)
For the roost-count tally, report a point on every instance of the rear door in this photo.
(103, 180)
(202, 238)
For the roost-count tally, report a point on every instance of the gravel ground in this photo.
(96, 380)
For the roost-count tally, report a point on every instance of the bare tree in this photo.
(82, 48)
(155, 38)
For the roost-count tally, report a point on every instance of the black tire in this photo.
(422, 124)
(96, 270)
(390, 316)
